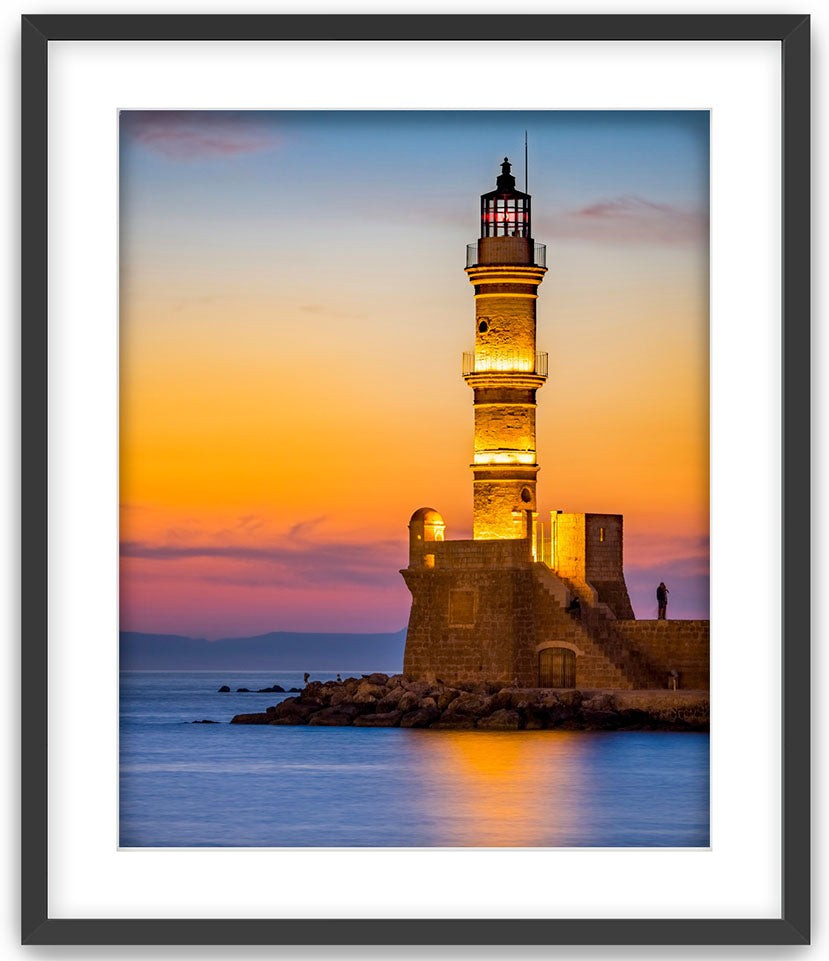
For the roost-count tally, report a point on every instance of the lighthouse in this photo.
(505, 267)
(500, 608)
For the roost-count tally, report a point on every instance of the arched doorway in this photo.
(556, 667)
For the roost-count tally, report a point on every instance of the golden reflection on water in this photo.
(504, 789)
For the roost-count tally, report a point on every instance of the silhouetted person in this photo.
(673, 680)
(574, 607)
(339, 677)
(305, 677)
(662, 600)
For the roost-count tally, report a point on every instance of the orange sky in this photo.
(288, 401)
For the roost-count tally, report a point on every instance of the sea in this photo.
(232, 785)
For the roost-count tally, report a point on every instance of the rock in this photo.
(502, 720)
(556, 714)
(224, 689)
(600, 720)
(409, 701)
(251, 719)
(333, 717)
(598, 702)
(474, 687)
(204, 722)
(666, 710)
(502, 700)
(598, 713)
(534, 717)
(275, 689)
(299, 707)
(635, 720)
(387, 719)
(419, 704)
(469, 705)
(420, 718)
(514, 699)
(391, 699)
(379, 679)
(294, 690)
(243, 690)
(364, 697)
(570, 698)
(453, 722)
(445, 697)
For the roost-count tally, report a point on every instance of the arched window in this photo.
(556, 667)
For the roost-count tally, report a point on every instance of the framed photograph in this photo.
(415, 472)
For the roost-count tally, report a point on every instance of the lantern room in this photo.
(505, 211)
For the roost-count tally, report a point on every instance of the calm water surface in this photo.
(186, 784)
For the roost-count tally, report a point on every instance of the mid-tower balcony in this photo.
(504, 364)
(506, 251)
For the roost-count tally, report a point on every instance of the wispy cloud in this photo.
(691, 555)
(627, 219)
(290, 561)
(193, 134)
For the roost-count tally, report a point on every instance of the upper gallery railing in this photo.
(539, 256)
(513, 361)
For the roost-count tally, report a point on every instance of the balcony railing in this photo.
(507, 361)
(539, 256)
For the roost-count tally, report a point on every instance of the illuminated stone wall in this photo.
(498, 505)
(504, 379)
(482, 611)
(509, 323)
(461, 555)
(682, 646)
(568, 546)
(510, 426)
(588, 551)
(481, 649)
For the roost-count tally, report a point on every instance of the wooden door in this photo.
(556, 667)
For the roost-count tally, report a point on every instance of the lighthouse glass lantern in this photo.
(505, 211)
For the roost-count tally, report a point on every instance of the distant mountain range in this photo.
(279, 650)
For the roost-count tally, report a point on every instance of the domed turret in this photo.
(426, 525)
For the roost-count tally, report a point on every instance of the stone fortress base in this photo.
(502, 610)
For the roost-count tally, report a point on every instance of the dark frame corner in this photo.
(793, 33)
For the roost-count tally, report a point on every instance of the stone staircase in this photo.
(607, 660)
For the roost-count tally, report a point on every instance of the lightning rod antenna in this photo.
(526, 169)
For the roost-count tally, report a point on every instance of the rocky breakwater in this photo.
(377, 700)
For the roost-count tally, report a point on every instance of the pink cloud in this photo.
(629, 219)
(194, 134)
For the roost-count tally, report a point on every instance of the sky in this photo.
(293, 313)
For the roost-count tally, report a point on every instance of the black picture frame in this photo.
(793, 33)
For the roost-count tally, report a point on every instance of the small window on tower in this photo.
(526, 496)
(601, 534)
(461, 608)
(483, 327)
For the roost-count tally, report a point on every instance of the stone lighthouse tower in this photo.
(505, 267)
(500, 609)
